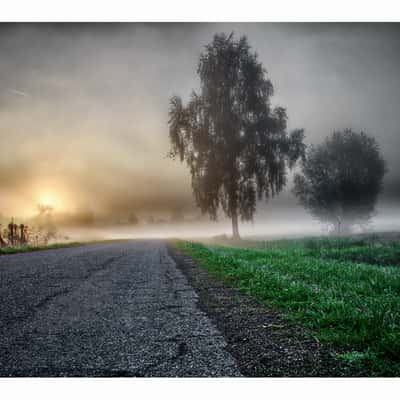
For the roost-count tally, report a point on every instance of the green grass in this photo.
(354, 306)
(378, 255)
(370, 250)
(24, 249)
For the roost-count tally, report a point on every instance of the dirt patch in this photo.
(262, 343)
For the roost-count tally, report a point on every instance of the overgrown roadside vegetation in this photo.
(24, 249)
(354, 306)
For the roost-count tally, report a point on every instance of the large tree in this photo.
(341, 178)
(235, 144)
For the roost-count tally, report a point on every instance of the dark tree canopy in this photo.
(341, 179)
(235, 144)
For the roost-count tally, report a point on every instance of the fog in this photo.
(84, 112)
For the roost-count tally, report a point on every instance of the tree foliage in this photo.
(235, 144)
(341, 179)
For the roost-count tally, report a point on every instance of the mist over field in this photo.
(199, 200)
(84, 119)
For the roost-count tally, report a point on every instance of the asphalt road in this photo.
(115, 309)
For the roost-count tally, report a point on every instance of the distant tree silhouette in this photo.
(47, 229)
(44, 209)
(133, 219)
(235, 145)
(177, 216)
(341, 179)
(3, 243)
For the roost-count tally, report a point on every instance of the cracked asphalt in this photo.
(110, 309)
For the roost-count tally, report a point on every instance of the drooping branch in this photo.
(235, 145)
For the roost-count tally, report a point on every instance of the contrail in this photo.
(19, 93)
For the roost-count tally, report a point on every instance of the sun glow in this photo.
(49, 194)
(50, 200)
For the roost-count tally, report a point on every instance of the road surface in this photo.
(113, 309)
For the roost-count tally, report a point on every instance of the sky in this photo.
(84, 111)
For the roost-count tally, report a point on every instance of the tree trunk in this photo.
(235, 226)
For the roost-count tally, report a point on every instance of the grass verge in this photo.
(24, 249)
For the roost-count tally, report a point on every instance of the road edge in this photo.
(260, 340)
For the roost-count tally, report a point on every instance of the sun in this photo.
(50, 200)
(48, 194)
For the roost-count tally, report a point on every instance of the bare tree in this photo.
(46, 227)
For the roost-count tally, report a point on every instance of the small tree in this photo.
(133, 219)
(341, 179)
(234, 143)
(177, 217)
(46, 226)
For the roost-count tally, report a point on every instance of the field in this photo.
(345, 292)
